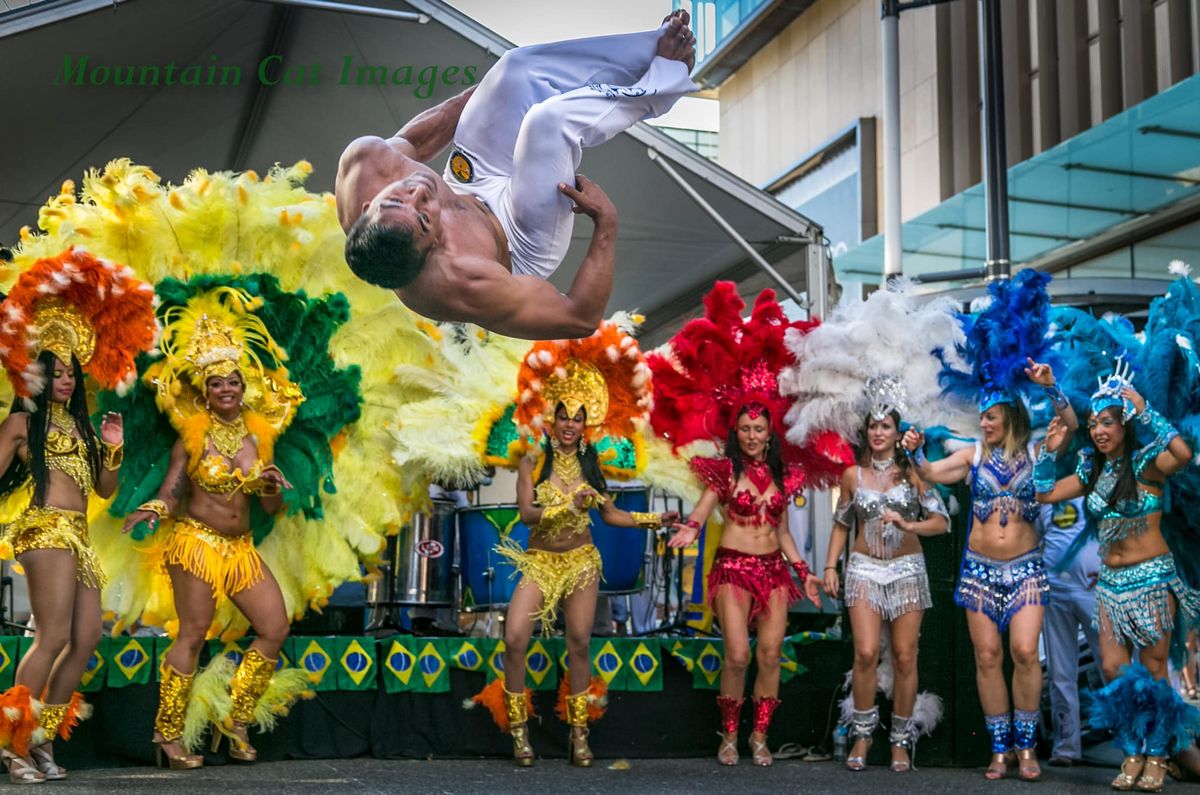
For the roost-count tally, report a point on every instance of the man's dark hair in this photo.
(385, 256)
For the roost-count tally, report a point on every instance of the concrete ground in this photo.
(496, 777)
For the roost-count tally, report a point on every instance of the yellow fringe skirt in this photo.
(55, 528)
(556, 574)
(230, 564)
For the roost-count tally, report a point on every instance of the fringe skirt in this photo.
(755, 577)
(556, 574)
(891, 587)
(1000, 588)
(229, 564)
(55, 528)
(1132, 601)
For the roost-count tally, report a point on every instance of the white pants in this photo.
(1069, 610)
(524, 129)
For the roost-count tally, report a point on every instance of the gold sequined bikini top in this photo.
(558, 509)
(69, 455)
(214, 474)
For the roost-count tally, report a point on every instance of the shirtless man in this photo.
(477, 243)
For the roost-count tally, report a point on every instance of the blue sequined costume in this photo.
(1000, 588)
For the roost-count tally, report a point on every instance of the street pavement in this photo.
(498, 777)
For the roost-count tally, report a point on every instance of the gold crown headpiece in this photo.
(579, 386)
(60, 328)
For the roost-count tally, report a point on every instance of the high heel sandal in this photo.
(183, 761)
(727, 752)
(901, 736)
(764, 710)
(731, 710)
(998, 767)
(516, 711)
(21, 770)
(1149, 783)
(862, 727)
(761, 754)
(239, 746)
(522, 750)
(43, 757)
(581, 754)
(1024, 771)
(174, 690)
(1127, 778)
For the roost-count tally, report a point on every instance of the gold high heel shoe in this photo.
(1152, 783)
(577, 716)
(239, 746)
(1131, 768)
(516, 708)
(173, 693)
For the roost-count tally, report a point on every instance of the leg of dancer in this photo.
(527, 600)
(579, 610)
(906, 634)
(866, 626)
(993, 690)
(770, 630)
(1023, 633)
(195, 605)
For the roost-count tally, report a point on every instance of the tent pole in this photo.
(343, 8)
(757, 258)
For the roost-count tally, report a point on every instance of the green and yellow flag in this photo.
(95, 672)
(10, 651)
(399, 665)
(130, 661)
(318, 658)
(643, 664)
(356, 668)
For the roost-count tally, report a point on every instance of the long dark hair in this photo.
(589, 463)
(19, 472)
(1126, 488)
(898, 456)
(733, 450)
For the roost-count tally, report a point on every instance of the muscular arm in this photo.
(432, 131)
(528, 307)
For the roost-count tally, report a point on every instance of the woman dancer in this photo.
(886, 579)
(90, 318)
(721, 374)
(583, 390)
(1002, 581)
(1139, 592)
(220, 463)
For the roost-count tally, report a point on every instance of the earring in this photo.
(554, 444)
(582, 446)
(207, 405)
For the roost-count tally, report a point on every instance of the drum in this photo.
(423, 560)
(623, 549)
(488, 580)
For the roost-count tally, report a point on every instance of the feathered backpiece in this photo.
(605, 374)
(75, 304)
(870, 356)
(1012, 328)
(721, 363)
(1090, 349)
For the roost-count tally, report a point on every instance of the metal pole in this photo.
(662, 163)
(346, 8)
(995, 155)
(892, 239)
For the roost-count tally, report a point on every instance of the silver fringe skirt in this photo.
(1132, 601)
(889, 586)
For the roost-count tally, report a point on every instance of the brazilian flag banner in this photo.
(433, 667)
(643, 661)
(356, 668)
(493, 655)
(318, 657)
(10, 655)
(130, 661)
(789, 666)
(162, 645)
(541, 672)
(95, 673)
(399, 663)
(607, 662)
(233, 649)
(468, 654)
(709, 657)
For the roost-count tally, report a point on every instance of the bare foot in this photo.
(677, 42)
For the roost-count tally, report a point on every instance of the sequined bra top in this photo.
(559, 514)
(1128, 517)
(745, 506)
(999, 484)
(68, 455)
(214, 474)
(868, 506)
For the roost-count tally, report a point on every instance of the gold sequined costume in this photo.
(55, 528)
(229, 564)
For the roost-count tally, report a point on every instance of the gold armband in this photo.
(113, 455)
(156, 507)
(646, 520)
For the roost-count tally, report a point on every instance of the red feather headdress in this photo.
(719, 364)
(77, 305)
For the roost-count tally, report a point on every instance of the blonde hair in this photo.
(1017, 430)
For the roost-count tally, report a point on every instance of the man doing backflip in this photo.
(477, 243)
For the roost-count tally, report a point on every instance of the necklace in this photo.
(61, 418)
(568, 469)
(227, 437)
(883, 465)
(759, 473)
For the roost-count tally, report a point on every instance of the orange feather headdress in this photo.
(81, 306)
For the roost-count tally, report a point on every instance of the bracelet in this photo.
(918, 457)
(1044, 472)
(1159, 425)
(692, 523)
(1057, 397)
(801, 569)
(827, 568)
(157, 507)
(645, 520)
(112, 455)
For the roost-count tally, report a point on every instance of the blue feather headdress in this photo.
(1012, 328)
(1090, 349)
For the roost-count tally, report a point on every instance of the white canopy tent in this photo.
(669, 250)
